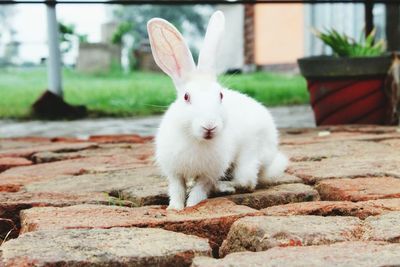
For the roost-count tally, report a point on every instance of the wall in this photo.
(279, 31)
(98, 57)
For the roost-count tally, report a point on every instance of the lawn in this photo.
(138, 93)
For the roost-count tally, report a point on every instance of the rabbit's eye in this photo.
(221, 95)
(187, 97)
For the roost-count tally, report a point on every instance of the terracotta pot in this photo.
(347, 90)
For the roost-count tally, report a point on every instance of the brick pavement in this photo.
(101, 201)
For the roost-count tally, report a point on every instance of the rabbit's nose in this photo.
(209, 129)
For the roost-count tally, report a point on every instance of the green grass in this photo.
(138, 93)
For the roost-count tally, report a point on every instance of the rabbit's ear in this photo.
(169, 50)
(208, 54)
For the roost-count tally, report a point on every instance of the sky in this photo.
(30, 24)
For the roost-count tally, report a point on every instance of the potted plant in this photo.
(349, 86)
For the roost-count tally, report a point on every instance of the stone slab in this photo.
(126, 138)
(12, 203)
(210, 219)
(141, 186)
(283, 179)
(395, 143)
(320, 151)
(384, 227)
(10, 143)
(103, 247)
(265, 232)
(366, 165)
(362, 128)
(359, 189)
(25, 150)
(327, 134)
(13, 179)
(362, 209)
(139, 151)
(11, 162)
(349, 254)
(276, 195)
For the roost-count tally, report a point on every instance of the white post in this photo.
(54, 59)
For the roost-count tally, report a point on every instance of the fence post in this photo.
(393, 26)
(369, 17)
(54, 58)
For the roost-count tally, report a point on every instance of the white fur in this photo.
(211, 42)
(245, 135)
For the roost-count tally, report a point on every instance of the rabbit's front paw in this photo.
(245, 185)
(225, 187)
(195, 199)
(175, 206)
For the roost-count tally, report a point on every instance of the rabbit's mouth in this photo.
(209, 132)
(205, 131)
(208, 136)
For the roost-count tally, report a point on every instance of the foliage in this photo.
(138, 93)
(82, 38)
(122, 29)
(11, 49)
(66, 29)
(6, 12)
(344, 46)
(191, 20)
(67, 35)
(177, 15)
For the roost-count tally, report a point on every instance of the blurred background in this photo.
(107, 64)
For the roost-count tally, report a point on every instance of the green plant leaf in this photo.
(345, 46)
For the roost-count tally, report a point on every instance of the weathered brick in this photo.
(320, 151)
(384, 227)
(103, 247)
(347, 167)
(127, 138)
(13, 179)
(7, 163)
(265, 232)
(357, 254)
(359, 189)
(395, 143)
(338, 133)
(210, 219)
(362, 209)
(10, 143)
(283, 179)
(23, 149)
(141, 185)
(12, 203)
(276, 195)
(142, 152)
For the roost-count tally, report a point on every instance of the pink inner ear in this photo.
(167, 44)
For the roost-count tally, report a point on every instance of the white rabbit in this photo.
(208, 128)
